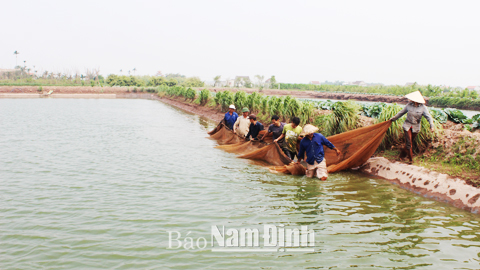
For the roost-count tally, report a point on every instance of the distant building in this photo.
(357, 83)
(409, 83)
(475, 88)
(229, 83)
(240, 81)
(7, 70)
(315, 82)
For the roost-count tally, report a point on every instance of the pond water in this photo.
(99, 184)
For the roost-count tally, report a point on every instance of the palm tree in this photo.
(16, 53)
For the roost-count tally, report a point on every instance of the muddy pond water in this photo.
(105, 183)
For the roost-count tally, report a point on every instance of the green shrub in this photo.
(344, 117)
(307, 112)
(204, 96)
(275, 106)
(254, 101)
(190, 94)
(240, 100)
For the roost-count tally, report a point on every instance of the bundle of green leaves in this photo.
(455, 115)
(439, 115)
(373, 110)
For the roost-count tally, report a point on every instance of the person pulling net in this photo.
(353, 148)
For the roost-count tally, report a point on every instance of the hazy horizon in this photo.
(428, 42)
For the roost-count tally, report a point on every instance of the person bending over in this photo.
(312, 147)
(291, 133)
(254, 129)
(275, 129)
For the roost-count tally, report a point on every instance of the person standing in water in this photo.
(230, 117)
(243, 122)
(275, 129)
(415, 110)
(254, 129)
(312, 147)
(291, 133)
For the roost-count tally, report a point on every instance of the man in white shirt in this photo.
(242, 124)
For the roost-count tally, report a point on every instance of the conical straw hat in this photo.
(416, 97)
(308, 129)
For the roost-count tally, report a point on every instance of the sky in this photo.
(390, 42)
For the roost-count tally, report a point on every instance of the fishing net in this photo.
(356, 147)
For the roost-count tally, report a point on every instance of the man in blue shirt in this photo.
(255, 128)
(230, 117)
(312, 146)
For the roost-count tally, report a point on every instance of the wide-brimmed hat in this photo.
(232, 107)
(245, 109)
(308, 129)
(416, 97)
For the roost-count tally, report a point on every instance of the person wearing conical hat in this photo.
(312, 147)
(415, 110)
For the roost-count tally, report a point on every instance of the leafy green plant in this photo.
(218, 98)
(373, 110)
(394, 134)
(240, 100)
(439, 115)
(307, 112)
(326, 105)
(254, 102)
(292, 107)
(224, 99)
(474, 122)
(275, 106)
(264, 106)
(455, 115)
(343, 118)
(204, 96)
(190, 94)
